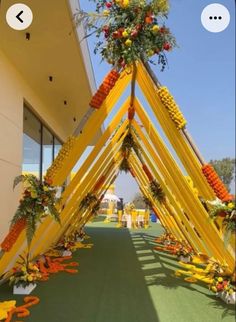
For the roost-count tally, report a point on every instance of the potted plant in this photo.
(24, 276)
(225, 289)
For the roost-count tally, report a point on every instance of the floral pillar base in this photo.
(167, 242)
(66, 253)
(21, 290)
(228, 298)
(184, 259)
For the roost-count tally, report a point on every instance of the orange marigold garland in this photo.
(131, 113)
(99, 183)
(147, 172)
(22, 310)
(216, 183)
(13, 235)
(104, 89)
(132, 172)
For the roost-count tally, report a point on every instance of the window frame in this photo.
(42, 126)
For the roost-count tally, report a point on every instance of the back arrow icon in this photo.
(18, 16)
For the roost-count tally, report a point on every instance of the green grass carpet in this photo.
(122, 279)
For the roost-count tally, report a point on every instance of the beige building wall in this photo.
(13, 91)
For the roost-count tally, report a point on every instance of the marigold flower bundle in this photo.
(99, 183)
(13, 235)
(221, 284)
(63, 155)
(104, 89)
(22, 311)
(25, 273)
(215, 182)
(132, 172)
(131, 113)
(147, 172)
(168, 101)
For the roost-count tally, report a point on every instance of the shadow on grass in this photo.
(154, 276)
(228, 309)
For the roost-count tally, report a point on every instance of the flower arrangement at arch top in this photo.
(129, 30)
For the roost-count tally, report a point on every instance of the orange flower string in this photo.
(131, 113)
(99, 183)
(216, 183)
(22, 310)
(55, 266)
(132, 172)
(147, 172)
(13, 235)
(104, 89)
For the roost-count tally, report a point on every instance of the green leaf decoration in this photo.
(88, 201)
(124, 166)
(156, 191)
(17, 180)
(38, 201)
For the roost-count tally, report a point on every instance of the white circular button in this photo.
(19, 16)
(215, 17)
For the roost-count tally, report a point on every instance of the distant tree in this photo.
(138, 201)
(225, 169)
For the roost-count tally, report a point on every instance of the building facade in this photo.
(46, 82)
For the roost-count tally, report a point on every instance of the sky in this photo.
(201, 77)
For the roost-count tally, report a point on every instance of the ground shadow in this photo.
(164, 276)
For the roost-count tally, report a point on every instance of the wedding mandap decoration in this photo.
(130, 33)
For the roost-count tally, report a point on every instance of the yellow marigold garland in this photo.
(63, 154)
(168, 101)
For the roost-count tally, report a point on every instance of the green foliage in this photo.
(124, 166)
(156, 191)
(225, 169)
(88, 201)
(38, 201)
(128, 144)
(219, 209)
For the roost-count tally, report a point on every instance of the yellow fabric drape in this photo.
(182, 148)
(191, 204)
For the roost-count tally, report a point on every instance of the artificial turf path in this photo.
(122, 279)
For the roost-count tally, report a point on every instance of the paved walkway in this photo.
(121, 279)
